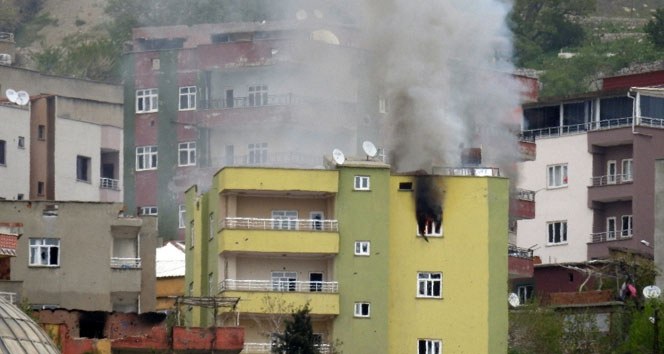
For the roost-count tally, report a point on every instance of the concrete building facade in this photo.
(14, 152)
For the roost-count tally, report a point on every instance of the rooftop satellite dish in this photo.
(513, 300)
(338, 156)
(369, 148)
(301, 15)
(22, 98)
(652, 291)
(11, 95)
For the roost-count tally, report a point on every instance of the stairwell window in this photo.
(182, 212)
(187, 98)
(557, 176)
(257, 154)
(626, 226)
(146, 158)
(3, 158)
(627, 170)
(429, 346)
(362, 183)
(187, 154)
(362, 248)
(45, 252)
(557, 232)
(147, 100)
(192, 234)
(429, 285)
(362, 309)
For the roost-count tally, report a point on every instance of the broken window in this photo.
(83, 168)
(362, 248)
(429, 284)
(257, 96)
(147, 100)
(44, 252)
(187, 98)
(257, 154)
(362, 309)
(91, 324)
(429, 346)
(557, 231)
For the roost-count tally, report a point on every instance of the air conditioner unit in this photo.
(5, 59)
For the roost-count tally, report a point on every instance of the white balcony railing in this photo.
(467, 171)
(530, 135)
(524, 194)
(236, 223)
(610, 236)
(250, 348)
(279, 286)
(9, 296)
(611, 179)
(109, 183)
(125, 263)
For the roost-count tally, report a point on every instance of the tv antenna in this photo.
(369, 149)
(338, 156)
(11, 95)
(513, 300)
(22, 98)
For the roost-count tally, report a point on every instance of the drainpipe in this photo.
(634, 104)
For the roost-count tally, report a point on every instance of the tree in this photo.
(298, 337)
(655, 29)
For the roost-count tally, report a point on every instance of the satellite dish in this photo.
(513, 300)
(652, 291)
(338, 156)
(301, 15)
(11, 95)
(22, 98)
(369, 148)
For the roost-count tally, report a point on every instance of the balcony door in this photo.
(316, 282)
(284, 281)
(284, 219)
(611, 228)
(611, 172)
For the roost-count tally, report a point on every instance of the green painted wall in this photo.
(190, 201)
(363, 216)
(128, 182)
(498, 201)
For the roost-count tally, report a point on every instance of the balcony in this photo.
(109, 183)
(251, 348)
(11, 290)
(522, 204)
(611, 179)
(467, 171)
(532, 134)
(314, 182)
(273, 285)
(610, 188)
(256, 101)
(279, 235)
(600, 237)
(279, 159)
(125, 263)
(520, 262)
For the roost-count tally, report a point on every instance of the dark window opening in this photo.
(576, 113)
(406, 186)
(230, 99)
(40, 188)
(652, 107)
(471, 157)
(161, 43)
(2, 152)
(221, 38)
(41, 132)
(83, 168)
(108, 170)
(19, 196)
(91, 324)
(571, 277)
(543, 117)
(316, 282)
(614, 108)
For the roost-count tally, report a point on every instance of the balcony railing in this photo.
(519, 252)
(530, 135)
(610, 236)
(467, 171)
(9, 296)
(524, 194)
(611, 179)
(259, 100)
(236, 223)
(267, 348)
(279, 286)
(289, 159)
(109, 183)
(125, 263)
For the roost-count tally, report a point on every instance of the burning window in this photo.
(362, 309)
(428, 207)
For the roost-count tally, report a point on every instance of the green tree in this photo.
(655, 28)
(298, 336)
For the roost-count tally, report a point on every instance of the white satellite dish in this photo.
(11, 95)
(513, 300)
(652, 291)
(369, 148)
(301, 15)
(338, 156)
(22, 98)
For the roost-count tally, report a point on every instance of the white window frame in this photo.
(36, 246)
(188, 95)
(556, 179)
(257, 154)
(611, 235)
(284, 219)
(148, 99)
(284, 281)
(563, 235)
(611, 178)
(430, 231)
(426, 283)
(629, 175)
(211, 284)
(192, 234)
(362, 183)
(362, 248)
(630, 231)
(432, 346)
(525, 292)
(359, 310)
(150, 210)
(149, 155)
(257, 96)
(182, 214)
(382, 104)
(211, 228)
(189, 150)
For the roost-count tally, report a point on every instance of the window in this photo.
(382, 104)
(557, 231)
(611, 228)
(362, 183)
(257, 154)
(149, 210)
(19, 196)
(284, 281)
(627, 170)
(626, 226)
(156, 64)
(431, 229)
(187, 154)
(191, 293)
(40, 188)
(211, 284)
(362, 248)
(45, 252)
(257, 95)
(146, 158)
(525, 293)
(429, 284)
(230, 99)
(41, 132)
(611, 172)
(429, 346)
(147, 100)
(316, 220)
(187, 98)
(182, 213)
(211, 226)
(83, 168)
(21, 142)
(284, 219)
(557, 176)
(192, 234)
(3, 158)
(362, 309)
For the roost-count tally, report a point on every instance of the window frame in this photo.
(631, 226)
(430, 343)
(361, 252)
(189, 148)
(527, 290)
(38, 247)
(143, 96)
(145, 155)
(290, 222)
(21, 142)
(190, 97)
(149, 210)
(359, 305)
(283, 277)
(611, 178)
(611, 235)
(423, 284)
(629, 162)
(192, 234)
(83, 164)
(3, 153)
(361, 185)
(548, 233)
(257, 95)
(551, 171)
(211, 228)
(257, 154)
(182, 214)
(317, 224)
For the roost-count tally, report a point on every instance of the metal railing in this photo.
(237, 223)
(267, 348)
(279, 286)
(467, 171)
(7, 36)
(519, 252)
(599, 237)
(530, 135)
(9, 296)
(524, 194)
(611, 179)
(258, 100)
(109, 183)
(277, 159)
(125, 263)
